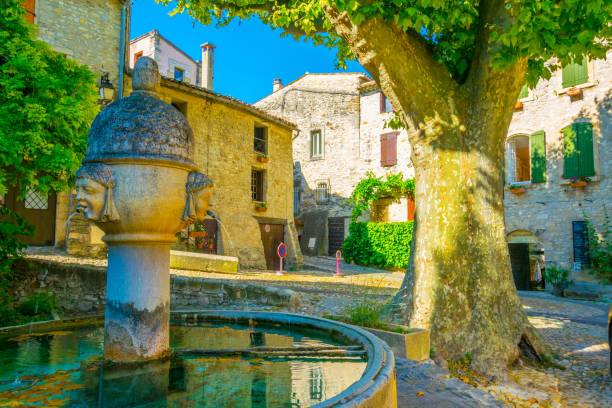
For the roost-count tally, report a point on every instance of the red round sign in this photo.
(282, 250)
(338, 254)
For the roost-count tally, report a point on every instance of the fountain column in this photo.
(140, 185)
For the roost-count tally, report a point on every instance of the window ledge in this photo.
(581, 86)
(518, 183)
(314, 158)
(566, 182)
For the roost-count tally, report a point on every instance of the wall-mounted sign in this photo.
(267, 228)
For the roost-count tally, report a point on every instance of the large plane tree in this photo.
(453, 70)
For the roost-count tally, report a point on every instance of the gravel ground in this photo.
(575, 330)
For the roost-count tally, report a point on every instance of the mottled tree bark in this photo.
(459, 283)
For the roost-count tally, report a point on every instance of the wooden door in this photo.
(271, 240)
(36, 210)
(335, 231)
(519, 260)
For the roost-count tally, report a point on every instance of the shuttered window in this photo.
(30, 8)
(575, 74)
(578, 150)
(538, 157)
(524, 92)
(388, 149)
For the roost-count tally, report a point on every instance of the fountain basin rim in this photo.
(379, 372)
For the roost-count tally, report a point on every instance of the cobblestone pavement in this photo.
(575, 330)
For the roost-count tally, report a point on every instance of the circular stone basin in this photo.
(221, 359)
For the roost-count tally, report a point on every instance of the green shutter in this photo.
(538, 157)
(575, 74)
(584, 133)
(524, 92)
(570, 153)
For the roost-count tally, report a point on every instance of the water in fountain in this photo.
(226, 232)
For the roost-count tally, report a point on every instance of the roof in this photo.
(322, 73)
(155, 32)
(228, 101)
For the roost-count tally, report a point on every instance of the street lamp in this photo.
(107, 90)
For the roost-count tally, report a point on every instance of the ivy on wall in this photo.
(373, 188)
(384, 244)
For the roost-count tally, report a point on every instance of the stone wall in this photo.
(87, 31)
(81, 289)
(546, 210)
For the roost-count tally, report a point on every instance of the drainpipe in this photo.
(122, 46)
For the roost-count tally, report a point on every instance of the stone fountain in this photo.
(140, 185)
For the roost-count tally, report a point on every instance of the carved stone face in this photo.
(90, 198)
(202, 201)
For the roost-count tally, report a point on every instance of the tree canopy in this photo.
(450, 28)
(47, 103)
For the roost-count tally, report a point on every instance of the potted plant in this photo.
(261, 207)
(198, 231)
(579, 181)
(516, 189)
(573, 91)
(518, 105)
(211, 243)
(558, 278)
(263, 158)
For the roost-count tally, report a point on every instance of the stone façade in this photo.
(546, 210)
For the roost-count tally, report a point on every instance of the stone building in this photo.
(248, 155)
(560, 130)
(172, 61)
(341, 119)
(89, 32)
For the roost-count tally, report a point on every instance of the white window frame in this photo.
(320, 145)
(511, 160)
(317, 190)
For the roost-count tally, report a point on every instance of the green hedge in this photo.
(383, 244)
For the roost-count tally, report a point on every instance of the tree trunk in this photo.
(459, 282)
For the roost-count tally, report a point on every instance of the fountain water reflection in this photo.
(64, 368)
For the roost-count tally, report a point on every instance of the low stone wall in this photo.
(81, 289)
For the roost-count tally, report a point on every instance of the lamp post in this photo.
(107, 90)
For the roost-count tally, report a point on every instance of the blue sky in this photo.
(249, 55)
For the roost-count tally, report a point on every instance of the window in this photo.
(385, 104)
(259, 140)
(578, 158)
(526, 158)
(322, 193)
(36, 201)
(30, 8)
(581, 242)
(136, 56)
(297, 196)
(316, 144)
(575, 74)
(316, 383)
(178, 73)
(257, 185)
(388, 149)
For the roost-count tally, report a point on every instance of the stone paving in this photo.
(575, 330)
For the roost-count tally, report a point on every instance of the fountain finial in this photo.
(146, 75)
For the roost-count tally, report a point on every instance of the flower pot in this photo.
(574, 91)
(198, 234)
(517, 191)
(518, 105)
(260, 209)
(557, 291)
(262, 159)
(299, 222)
(579, 184)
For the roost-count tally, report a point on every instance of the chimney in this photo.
(276, 85)
(208, 52)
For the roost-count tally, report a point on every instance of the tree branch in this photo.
(402, 64)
